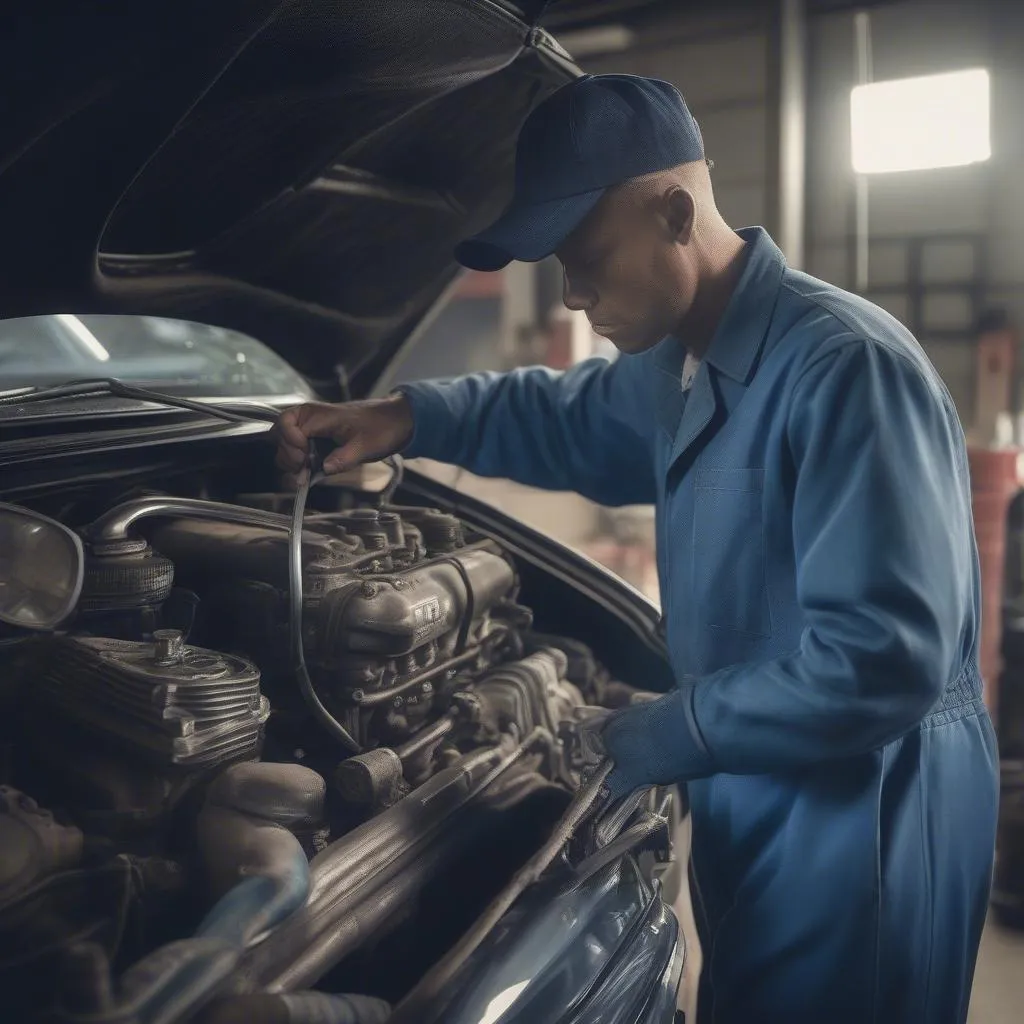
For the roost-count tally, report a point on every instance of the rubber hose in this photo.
(309, 694)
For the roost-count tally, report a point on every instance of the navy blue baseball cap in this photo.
(596, 132)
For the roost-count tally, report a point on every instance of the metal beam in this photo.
(792, 121)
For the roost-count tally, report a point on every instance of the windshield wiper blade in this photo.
(118, 388)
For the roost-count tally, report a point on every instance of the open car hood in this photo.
(297, 171)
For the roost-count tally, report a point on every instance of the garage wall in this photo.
(945, 244)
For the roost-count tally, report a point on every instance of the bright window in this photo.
(913, 124)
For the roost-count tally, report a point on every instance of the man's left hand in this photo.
(652, 744)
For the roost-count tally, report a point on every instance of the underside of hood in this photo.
(298, 171)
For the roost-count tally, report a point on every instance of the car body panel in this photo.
(299, 172)
(608, 950)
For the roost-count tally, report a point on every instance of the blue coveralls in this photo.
(819, 580)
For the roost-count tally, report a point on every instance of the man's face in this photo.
(627, 266)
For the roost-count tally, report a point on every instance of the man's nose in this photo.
(577, 297)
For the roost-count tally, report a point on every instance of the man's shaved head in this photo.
(637, 262)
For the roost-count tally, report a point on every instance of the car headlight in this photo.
(41, 567)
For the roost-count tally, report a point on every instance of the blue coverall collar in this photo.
(740, 336)
(734, 350)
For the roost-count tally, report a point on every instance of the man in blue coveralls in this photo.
(817, 562)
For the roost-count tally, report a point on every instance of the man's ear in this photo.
(678, 209)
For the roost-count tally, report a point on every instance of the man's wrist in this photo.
(399, 409)
(428, 420)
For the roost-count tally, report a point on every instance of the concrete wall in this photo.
(963, 226)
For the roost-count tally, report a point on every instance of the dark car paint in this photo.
(296, 171)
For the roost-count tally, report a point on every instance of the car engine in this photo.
(166, 786)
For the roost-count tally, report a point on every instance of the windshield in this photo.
(178, 356)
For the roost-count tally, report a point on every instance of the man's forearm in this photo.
(538, 427)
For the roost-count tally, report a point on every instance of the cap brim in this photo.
(527, 233)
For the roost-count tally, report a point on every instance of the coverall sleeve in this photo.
(580, 430)
(885, 579)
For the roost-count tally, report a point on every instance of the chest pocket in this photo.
(729, 580)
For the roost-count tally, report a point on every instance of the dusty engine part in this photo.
(384, 626)
(207, 553)
(394, 616)
(32, 844)
(240, 573)
(373, 780)
(442, 533)
(358, 881)
(164, 702)
(119, 732)
(378, 643)
(178, 976)
(530, 693)
(122, 592)
(377, 779)
(382, 532)
(60, 935)
(378, 633)
(413, 639)
(582, 668)
(253, 815)
(387, 645)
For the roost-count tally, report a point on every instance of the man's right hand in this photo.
(362, 432)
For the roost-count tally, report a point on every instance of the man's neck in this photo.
(726, 256)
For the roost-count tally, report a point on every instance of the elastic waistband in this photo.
(963, 697)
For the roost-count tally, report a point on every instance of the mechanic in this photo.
(816, 556)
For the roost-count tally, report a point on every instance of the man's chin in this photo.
(628, 344)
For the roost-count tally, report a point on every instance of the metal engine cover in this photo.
(168, 703)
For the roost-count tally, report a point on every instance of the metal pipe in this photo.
(430, 735)
(415, 1006)
(792, 129)
(114, 527)
(363, 699)
(364, 876)
(865, 73)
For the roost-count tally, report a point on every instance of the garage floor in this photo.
(998, 996)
